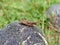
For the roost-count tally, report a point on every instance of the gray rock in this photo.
(53, 13)
(11, 41)
(54, 9)
(18, 34)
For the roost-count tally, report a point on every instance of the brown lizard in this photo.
(28, 23)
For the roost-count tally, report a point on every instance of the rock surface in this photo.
(18, 34)
(53, 13)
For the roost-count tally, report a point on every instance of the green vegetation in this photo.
(13, 10)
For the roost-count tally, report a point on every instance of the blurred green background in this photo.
(33, 10)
